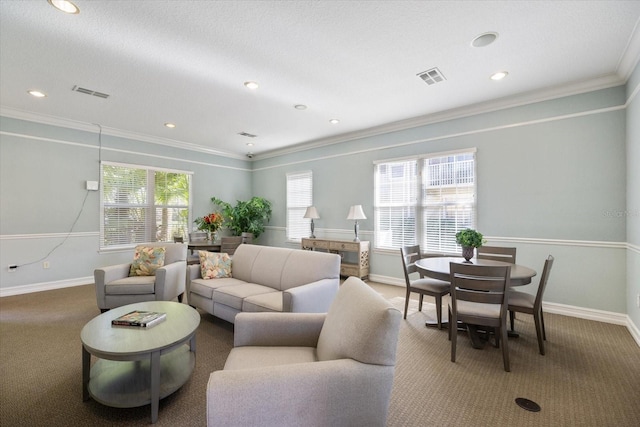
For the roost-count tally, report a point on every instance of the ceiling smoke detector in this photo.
(432, 76)
(90, 92)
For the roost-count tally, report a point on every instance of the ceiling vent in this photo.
(90, 92)
(432, 76)
(248, 135)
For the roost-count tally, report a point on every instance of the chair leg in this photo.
(406, 303)
(453, 333)
(544, 333)
(512, 317)
(505, 348)
(180, 297)
(539, 331)
(420, 302)
(439, 310)
(450, 320)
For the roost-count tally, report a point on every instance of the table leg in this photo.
(155, 385)
(86, 372)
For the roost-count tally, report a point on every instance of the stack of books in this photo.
(140, 319)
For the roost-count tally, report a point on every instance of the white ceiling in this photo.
(186, 61)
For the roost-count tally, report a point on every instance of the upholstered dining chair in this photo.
(479, 297)
(118, 285)
(193, 257)
(422, 286)
(532, 304)
(497, 253)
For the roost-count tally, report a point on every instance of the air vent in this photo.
(432, 76)
(248, 135)
(90, 92)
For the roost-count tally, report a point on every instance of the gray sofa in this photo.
(268, 279)
(310, 369)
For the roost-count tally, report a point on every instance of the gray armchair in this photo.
(114, 287)
(310, 369)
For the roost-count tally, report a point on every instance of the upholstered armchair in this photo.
(310, 369)
(115, 286)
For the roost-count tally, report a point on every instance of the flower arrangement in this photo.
(210, 223)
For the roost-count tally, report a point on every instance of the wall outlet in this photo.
(12, 268)
(45, 264)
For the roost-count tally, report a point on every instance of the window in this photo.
(299, 197)
(424, 200)
(143, 205)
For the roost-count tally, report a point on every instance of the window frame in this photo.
(302, 225)
(414, 204)
(149, 206)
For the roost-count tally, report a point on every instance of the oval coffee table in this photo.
(138, 366)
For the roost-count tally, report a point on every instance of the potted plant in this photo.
(246, 216)
(469, 239)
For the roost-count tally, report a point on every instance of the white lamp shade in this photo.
(356, 212)
(311, 213)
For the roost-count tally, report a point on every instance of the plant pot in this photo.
(467, 252)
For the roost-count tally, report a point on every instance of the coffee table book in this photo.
(139, 319)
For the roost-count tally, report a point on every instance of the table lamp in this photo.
(313, 214)
(356, 212)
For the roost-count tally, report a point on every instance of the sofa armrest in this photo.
(315, 297)
(170, 281)
(277, 329)
(105, 275)
(332, 393)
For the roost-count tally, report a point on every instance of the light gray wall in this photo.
(43, 169)
(633, 197)
(551, 180)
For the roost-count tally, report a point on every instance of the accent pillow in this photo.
(214, 265)
(147, 260)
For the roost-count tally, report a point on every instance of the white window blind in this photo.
(142, 205)
(424, 200)
(299, 197)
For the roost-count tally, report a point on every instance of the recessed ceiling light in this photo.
(170, 125)
(499, 75)
(484, 39)
(249, 144)
(300, 107)
(37, 93)
(65, 6)
(334, 121)
(251, 85)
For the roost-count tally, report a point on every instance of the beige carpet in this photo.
(589, 377)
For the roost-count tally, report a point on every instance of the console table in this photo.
(354, 255)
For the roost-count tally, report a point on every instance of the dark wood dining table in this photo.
(205, 245)
(439, 268)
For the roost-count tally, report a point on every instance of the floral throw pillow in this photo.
(215, 265)
(147, 260)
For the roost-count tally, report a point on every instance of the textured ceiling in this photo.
(185, 62)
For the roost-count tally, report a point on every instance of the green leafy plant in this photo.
(246, 216)
(469, 238)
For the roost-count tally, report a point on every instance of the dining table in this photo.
(205, 245)
(439, 268)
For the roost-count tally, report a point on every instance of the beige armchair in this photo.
(114, 287)
(310, 369)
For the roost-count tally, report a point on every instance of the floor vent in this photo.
(432, 76)
(248, 135)
(90, 92)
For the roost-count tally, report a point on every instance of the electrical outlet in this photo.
(12, 268)
(45, 264)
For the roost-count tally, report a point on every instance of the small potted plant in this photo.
(246, 218)
(469, 240)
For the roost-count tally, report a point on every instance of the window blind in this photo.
(299, 197)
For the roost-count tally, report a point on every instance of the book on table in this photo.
(139, 319)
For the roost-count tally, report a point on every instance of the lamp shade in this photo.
(356, 212)
(311, 213)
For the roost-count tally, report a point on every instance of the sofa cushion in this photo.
(360, 325)
(303, 267)
(214, 265)
(260, 264)
(232, 296)
(259, 357)
(137, 285)
(271, 301)
(205, 287)
(146, 260)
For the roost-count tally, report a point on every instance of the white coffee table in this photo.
(139, 366)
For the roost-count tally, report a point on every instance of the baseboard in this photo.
(45, 286)
(563, 309)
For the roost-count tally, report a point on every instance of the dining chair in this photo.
(479, 297)
(229, 244)
(193, 257)
(532, 304)
(424, 285)
(497, 253)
